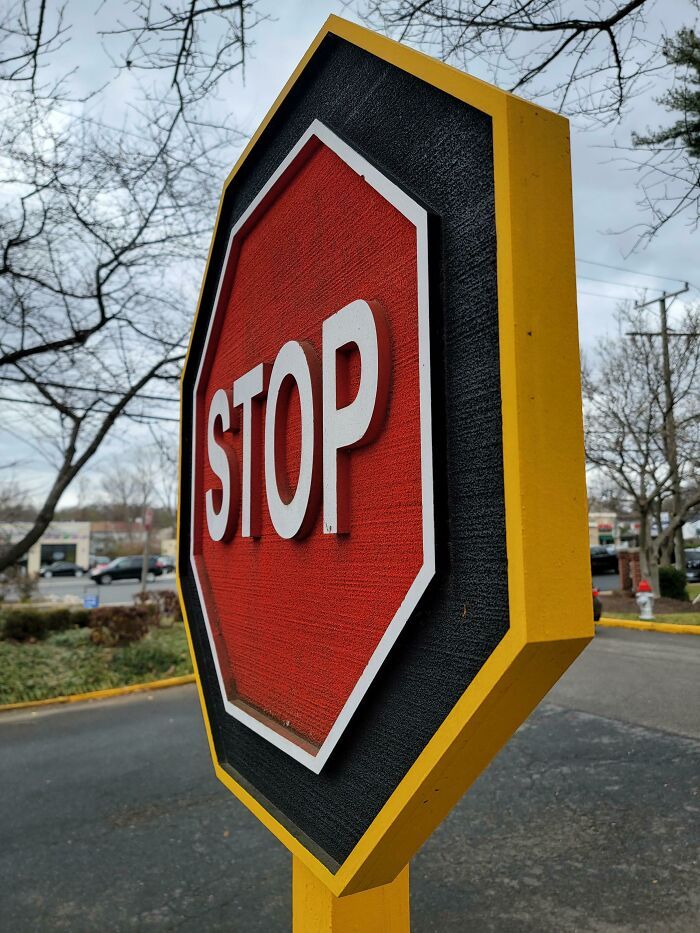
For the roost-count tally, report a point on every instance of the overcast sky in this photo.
(604, 194)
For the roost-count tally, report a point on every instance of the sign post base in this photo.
(316, 910)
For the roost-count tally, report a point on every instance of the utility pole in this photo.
(669, 425)
(147, 522)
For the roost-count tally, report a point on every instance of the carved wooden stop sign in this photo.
(312, 495)
(381, 451)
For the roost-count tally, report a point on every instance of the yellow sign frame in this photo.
(551, 618)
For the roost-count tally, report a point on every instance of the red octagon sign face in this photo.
(312, 515)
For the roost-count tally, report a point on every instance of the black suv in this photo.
(127, 568)
(603, 560)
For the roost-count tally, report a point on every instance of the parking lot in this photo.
(586, 822)
(119, 591)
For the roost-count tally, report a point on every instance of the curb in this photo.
(669, 627)
(102, 694)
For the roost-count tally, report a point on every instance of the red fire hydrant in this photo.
(645, 601)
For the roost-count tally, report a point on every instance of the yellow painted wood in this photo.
(544, 464)
(483, 720)
(544, 476)
(315, 909)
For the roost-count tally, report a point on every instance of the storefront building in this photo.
(68, 541)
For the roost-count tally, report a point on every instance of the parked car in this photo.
(692, 566)
(62, 568)
(98, 560)
(127, 568)
(603, 561)
(167, 563)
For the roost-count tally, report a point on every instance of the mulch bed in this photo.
(624, 602)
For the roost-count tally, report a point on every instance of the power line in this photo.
(648, 275)
(661, 301)
(66, 385)
(591, 278)
(660, 333)
(598, 295)
(638, 304)
(98, 411)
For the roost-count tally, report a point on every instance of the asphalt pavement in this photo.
(119, 591)
(606, 581)
(122, 591)
(588, 820)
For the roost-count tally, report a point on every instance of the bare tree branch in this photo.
(529, 44)
(104, 228)
(588, 66)
(74, 459)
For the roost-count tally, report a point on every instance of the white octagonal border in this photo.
(419, 218)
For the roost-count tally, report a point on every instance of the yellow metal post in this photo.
(316, 910)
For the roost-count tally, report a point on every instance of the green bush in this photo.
(149, 600)
(22, 624)
(148, 660)
(164, 603)
(16, 580)
(71, 638)
(170, 604)
(80, 617)
(119, 625)
(672, 583)
(68, 662)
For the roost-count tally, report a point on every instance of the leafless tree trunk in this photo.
(648, 564)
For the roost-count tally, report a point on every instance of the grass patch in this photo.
(693, 590)
(67, 662)
(672, 618)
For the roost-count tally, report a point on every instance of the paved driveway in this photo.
(589, 820)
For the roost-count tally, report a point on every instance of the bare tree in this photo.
(195, 45)
(103, 228)
(585, 60)
(14, 502)
(625, 416)
(127, 487)
(140, 479)
(90, 317)
(670, 180)
(166, 453)
(27, 37)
